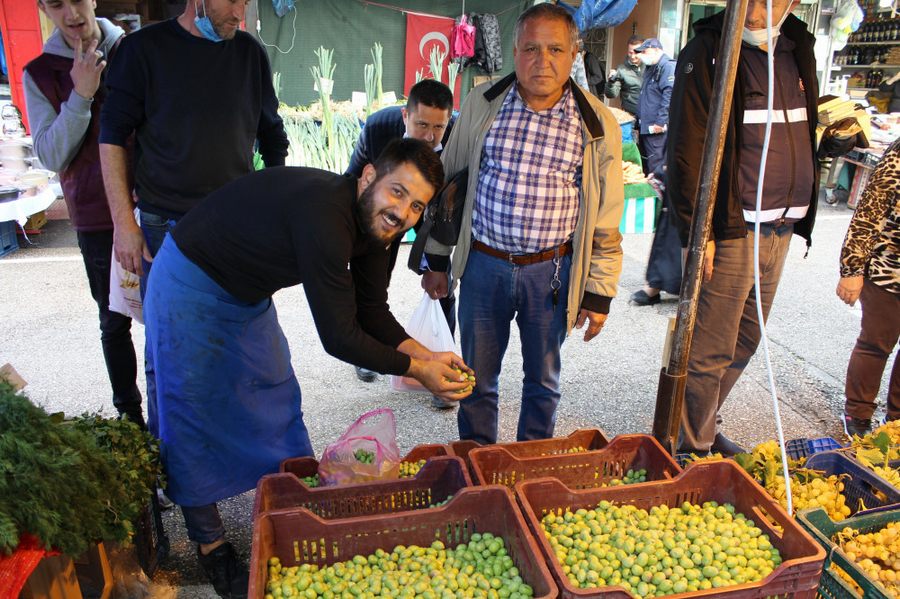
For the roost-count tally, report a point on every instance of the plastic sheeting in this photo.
(600, 13)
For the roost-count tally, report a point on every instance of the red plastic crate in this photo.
(438, 479)
(299, 537)
(497, 466)
(723, 481)
(306, 466)
(589, 438)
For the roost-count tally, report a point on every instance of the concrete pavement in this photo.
(49, 332)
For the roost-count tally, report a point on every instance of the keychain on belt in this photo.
(555, 283)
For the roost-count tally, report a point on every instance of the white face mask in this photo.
(646, 59)
(757, 37)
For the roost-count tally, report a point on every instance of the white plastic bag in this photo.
(428, 326)
(125, 291)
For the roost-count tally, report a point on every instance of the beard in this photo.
(367, 215)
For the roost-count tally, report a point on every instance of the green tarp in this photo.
(351, 28)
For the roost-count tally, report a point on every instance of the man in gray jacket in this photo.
(539, 238)
(63, 94)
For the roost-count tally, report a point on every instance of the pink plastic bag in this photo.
(366, 452)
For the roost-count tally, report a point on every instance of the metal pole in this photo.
(670, 393)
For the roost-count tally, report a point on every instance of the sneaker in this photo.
(856, 427)
(229, 577)
(366, 376)
(164, 502)
(640, 298)
(725, 446)
(442, 404)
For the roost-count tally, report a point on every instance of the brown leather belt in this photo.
(524, 259)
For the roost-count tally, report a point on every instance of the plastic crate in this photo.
(440, 478)
(860, 484)
(8, 241)
(151, 544)
(722, 481)
(803, 448)
(299, 537)
(822, 528)
(496, 465)
(590, 439)
(850, 454)
(307, 466)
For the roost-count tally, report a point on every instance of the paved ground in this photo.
(48, 331)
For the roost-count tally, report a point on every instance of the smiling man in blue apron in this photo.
(228, 405)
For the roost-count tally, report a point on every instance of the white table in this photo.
(21, 208)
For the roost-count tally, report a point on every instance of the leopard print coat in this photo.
(872, 245)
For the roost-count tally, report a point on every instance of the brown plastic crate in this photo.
(307, 466)
(497, 466)
(297, 536)
(723, 481)
(438, 479)
(589, 438)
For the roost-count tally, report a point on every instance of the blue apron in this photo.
(227, 408)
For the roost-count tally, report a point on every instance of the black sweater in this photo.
(302, 229)
(197, 107)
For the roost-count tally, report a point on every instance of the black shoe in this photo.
(725, 446)
(640, 298)
(366, 376)
(442, 404)
(856, 427)
(229, 577)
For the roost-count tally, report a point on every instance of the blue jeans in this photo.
(493, 292)
(155, 229)
(204, 524)
(726, 334)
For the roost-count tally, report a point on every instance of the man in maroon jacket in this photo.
(63, 93)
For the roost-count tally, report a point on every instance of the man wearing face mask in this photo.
(653, 103)
(727, 333)
(197, 92)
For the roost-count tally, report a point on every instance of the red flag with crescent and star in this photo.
(423, 33)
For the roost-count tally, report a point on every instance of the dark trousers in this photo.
(115, 328)
(653, 151)
(880, 329)
(726, 334)
(664, 264)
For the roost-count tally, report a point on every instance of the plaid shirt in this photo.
(530, 177)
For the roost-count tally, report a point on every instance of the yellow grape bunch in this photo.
(877, 553)
(826, 493)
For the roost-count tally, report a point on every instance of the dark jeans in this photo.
(115, 329)
(155, 229)
(494, 292)
(664, 264)
(653, 151)
(880, 329)
(204, 524)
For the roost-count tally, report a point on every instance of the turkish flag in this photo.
(422, 34)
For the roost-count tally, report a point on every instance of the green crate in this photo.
(822, 528)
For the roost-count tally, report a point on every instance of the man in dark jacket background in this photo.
(727, 332)
(653, 104)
